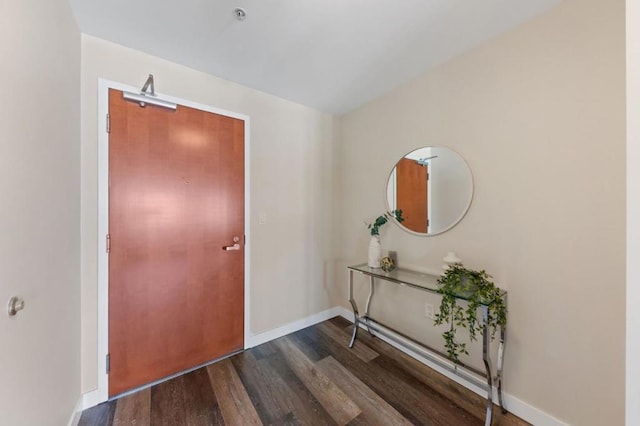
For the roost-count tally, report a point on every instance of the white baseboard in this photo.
(515, 406)
(91, 399)
(292, 327)
(74, 419)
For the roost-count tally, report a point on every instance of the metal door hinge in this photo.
(108, 243)
(427, 176)
(108, 124)
(108, 364)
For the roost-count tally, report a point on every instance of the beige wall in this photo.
(291, 181)
(538, 113)
(633, 212)
(40, 213)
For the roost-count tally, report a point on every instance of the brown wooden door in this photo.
(411, 194)
(176, 197)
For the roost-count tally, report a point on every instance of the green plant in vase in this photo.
(477, 289)
(375, 249)
(382, 219)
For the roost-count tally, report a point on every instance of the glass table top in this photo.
(415, 279)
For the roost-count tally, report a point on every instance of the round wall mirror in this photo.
(433, 187)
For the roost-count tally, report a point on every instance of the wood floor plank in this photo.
(263, 351)
(100, 415)
(235, 404)
(276, 393)
(267, 393)
(200, 402)
(306, 344)
(291, 420)
(375, 410)
(439, 407)
(413, 399)
(311, 336)
(332, 398)
(360, 349)
(133, 409)
(466, 399)
(306, 408)
(167, 403)
(310, 377)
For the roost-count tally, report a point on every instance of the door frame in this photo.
(103, 220)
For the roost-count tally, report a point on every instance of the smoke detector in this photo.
(239, 13)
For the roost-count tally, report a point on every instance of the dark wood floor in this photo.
(310, 377)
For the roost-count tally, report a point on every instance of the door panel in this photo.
(411, 180)
(176, 197)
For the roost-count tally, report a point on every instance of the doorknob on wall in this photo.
(16, 304)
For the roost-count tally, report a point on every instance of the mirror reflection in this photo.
(433, 187)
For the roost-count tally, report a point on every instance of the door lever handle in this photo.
(235, 246)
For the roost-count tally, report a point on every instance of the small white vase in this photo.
(375, 252)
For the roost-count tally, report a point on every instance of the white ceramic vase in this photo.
(375, 252)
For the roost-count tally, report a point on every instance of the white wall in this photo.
(291, 181)
(538, 113)
(451, 189)
(40, 214)
(633, 212)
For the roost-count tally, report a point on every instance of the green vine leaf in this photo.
(477, 289)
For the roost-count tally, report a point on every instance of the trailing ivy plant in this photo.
(477, 288)
(384, 218)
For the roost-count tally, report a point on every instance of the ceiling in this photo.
(333, 55)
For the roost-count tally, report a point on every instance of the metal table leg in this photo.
(503, 335)
(486, 340)
(356, 316)
(499, 369)
(366, 310)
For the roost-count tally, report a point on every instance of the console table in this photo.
(428, 282)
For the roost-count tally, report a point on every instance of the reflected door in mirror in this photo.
(412, 194)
